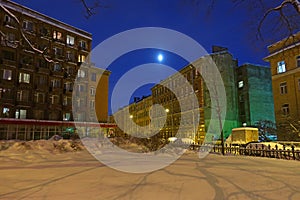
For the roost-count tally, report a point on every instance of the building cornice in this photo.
(281, 50)
(287, 73)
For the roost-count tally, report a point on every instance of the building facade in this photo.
(255, 97)
(248, 100)
(39, 62)
(284, 59)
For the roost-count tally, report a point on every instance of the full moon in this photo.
(160, 57)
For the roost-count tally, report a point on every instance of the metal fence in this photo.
(288, 153)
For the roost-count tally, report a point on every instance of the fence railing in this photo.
(288, 153)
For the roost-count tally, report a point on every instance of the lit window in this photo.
(67, 116)
(57, 35)
(281, 67)
(70, 40)
(283, 88)
(81, 73)
(7, 74)
(81, 58)
(5, 112)
(298, 61)
(24, 78)
(285, 109)
(20, 114)
(241, 84)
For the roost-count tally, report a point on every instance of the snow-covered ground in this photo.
(65, 170)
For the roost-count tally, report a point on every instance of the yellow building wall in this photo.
(101, 99)
(286, 50)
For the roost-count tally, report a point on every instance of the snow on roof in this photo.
(49, 20)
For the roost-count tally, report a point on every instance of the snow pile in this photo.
(51, 146)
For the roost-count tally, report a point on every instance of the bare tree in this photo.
(24, 38)
(91, 9)
(271, 20)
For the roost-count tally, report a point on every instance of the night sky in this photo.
(225, 25)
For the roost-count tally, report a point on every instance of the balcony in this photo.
(8, 62)
(57, 73)
(29, 67)
(41, 87)
(43, 70)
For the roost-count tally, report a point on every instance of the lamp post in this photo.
(193, 106)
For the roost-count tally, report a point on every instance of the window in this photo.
(93, 77)
(81, 73)
(21, 114)
(70, 56)
(42, 63)
(7, 74)
(81, 58)
(285, 109)
(281, 67)
(55, 83)
(39, 97)
(23, 95)
(28, 26)
(57, 51)
(68, 86)
(57, 35)
(11, 37)
(67, 101)
(8, 55)
(44, 31)
(283, 88)
(56, 67)
(8, 20)
(24, 78)
(70, 69)
(80, 88)
(92, 104)
(5, 93)
(82, 44)
(42, 80)
(5, 112)
(54, 99)
(66, 116)
(70, 40)
(27, 60)
(298, 61)
(93, 91)
(241, 84)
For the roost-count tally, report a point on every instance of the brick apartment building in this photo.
(40, 58)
